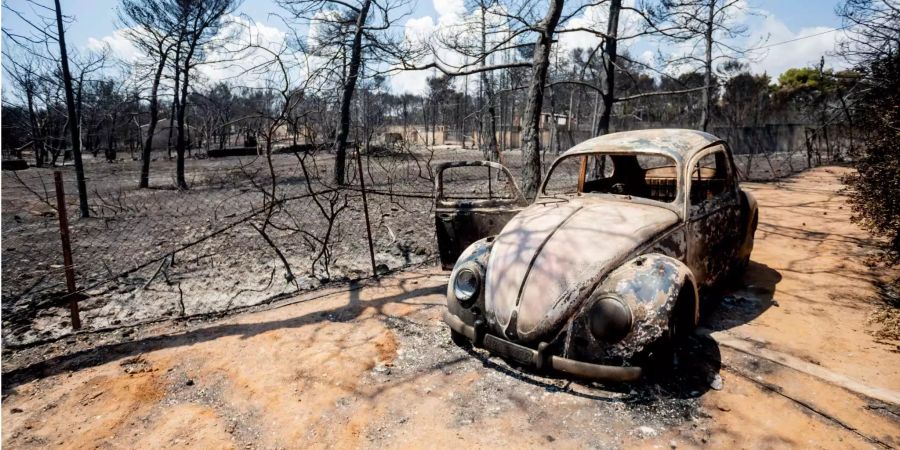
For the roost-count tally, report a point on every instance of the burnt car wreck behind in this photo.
(607, 265)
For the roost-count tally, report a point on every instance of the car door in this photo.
(473, 200)
(713, 214)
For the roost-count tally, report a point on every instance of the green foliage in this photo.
(875, 187)
(806, 79)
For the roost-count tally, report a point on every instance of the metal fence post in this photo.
(362, 185)
(67, 248)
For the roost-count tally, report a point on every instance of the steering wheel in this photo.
(617, 188)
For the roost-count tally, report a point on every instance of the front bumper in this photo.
(539, 358)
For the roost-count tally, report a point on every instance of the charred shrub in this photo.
(875, 187)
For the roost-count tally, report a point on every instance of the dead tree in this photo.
(74, 122)
(195, 26)
(610, 54)
(24, 71)
(531, 140)
(47, 30)
(706, 24)
(367, 24)
(141, 20)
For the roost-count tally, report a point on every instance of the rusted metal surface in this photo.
(562, 259)
(549, 255)
(677, 143)
(650, 285)
(440, 200)
(460, 222)
(67, 249)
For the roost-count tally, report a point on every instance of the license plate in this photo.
(518, 353)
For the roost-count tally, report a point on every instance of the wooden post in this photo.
(67, 248)
(362, 186)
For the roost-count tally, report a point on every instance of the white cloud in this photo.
(453, 22)
(119, 45)
(774, 46)
(811, 44)
(236, 56)
(242, 53)
(448, 8)
(418, 31)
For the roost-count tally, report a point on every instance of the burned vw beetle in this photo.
(607, 264)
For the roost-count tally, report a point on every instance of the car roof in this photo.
(678, 143)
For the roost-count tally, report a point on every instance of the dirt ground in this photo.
(787, 359)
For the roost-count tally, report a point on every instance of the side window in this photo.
(711, 177)
(599, 167)
(564, 177)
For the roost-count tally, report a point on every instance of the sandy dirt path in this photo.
(372, 366)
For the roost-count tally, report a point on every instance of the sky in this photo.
(793, 32)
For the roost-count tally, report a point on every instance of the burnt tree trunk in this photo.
(707, 72)
(36, 140)
(607, 96)
(488, 114)
(74, 122)
(175, 95)
(151, 127)
(181, 142)
(111, 139)
(531, 141)
(340, 140)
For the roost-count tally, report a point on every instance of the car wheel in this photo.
(737, 272)
(460, 339)
(670, 350)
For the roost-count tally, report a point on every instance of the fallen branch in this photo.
(289, 275)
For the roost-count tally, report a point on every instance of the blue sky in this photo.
(95, 22)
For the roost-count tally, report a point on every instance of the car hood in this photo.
(547, 257)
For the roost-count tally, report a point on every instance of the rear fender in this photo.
(750, 216)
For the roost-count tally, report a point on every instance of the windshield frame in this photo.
(676, 205)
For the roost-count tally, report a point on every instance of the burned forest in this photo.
(416, 224)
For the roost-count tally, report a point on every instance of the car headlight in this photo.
(610, 319)
(466, 285)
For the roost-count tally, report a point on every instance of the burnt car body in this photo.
(607, 263)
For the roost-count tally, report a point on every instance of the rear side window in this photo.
(711, 177)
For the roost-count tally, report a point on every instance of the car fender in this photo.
(650, 285)
(475, 255)
(750, 217)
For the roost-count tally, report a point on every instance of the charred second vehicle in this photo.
(607, 265)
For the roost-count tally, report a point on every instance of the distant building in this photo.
(161, 135)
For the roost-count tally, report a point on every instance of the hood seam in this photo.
(537, 254)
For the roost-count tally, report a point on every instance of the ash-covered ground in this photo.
(160, 253)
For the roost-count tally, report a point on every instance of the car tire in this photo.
(666, 353)
(460, 339)
(737, 272)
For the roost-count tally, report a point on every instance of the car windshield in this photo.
(650, 176)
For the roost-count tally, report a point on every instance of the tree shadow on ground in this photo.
(102, 354)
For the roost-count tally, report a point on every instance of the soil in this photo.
(370, 365)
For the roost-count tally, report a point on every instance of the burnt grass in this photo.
(163, 253)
